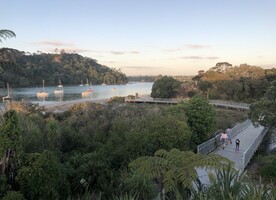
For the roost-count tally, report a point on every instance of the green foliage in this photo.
(263, 112)
(12, 195)
(205, 86)
(271, 92)
(32, 129)
(175, 167)
(97, 142)
(10, 147)
(238, 83)
(228, 183)
(140, 187)
(22, 69)
(268, 168)
(225, 184)
(43, 177)
(201, 118)
(165, 87)
(10, 133)
(117, 134)
(3, 185)
(229, 118)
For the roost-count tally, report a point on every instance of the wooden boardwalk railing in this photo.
(217, 103)
(152, 100)
(230, 104)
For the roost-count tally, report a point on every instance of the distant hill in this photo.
(23, 69)
(244, 83)
(225, 71)
(152, 78)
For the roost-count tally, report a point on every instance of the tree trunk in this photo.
(161, 188)
(5, 160)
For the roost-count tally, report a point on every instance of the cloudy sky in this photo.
(147, 37)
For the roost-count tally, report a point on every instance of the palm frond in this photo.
(4, 34)
(152, 167)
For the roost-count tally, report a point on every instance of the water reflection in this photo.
(75, 92)
(59, 96)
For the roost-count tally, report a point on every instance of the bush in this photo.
(268, 170)
(12, 195)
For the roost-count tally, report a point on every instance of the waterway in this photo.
(74, 92)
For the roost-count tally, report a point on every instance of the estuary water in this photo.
(74, 92)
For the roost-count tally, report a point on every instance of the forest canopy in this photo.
(23, 69)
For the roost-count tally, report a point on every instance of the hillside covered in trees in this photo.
(23, 69)
(238, 83)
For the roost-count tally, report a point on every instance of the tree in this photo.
(263, 112)
(43, 177)
(205, 86)
(201, 118)
(175, 168)
(10, 145)
(4, 34)
(165, 87)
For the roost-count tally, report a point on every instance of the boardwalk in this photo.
(216, 103)
(152, 100)
(250, 138)
(229, 104)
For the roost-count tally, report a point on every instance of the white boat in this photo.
(81, 84)
(42, 94)
(59, 90)
(86, 84)
(8, 97)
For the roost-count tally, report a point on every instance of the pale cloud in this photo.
(188, 46)
(192, 57)
(68, 50)
(212, 57)
(123, 52)
(196, 46)
(174, 50)
(117, 52)
(141, 68)
(134, 52)
(54, 43)
(200, 57)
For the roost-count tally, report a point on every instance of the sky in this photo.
(147, 37)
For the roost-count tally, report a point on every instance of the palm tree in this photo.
(4, 34)
(175, 170)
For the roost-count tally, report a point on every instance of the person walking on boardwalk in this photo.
(229, 134)
(237, 144)
(224, 138)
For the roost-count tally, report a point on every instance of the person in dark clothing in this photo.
(237, 144)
